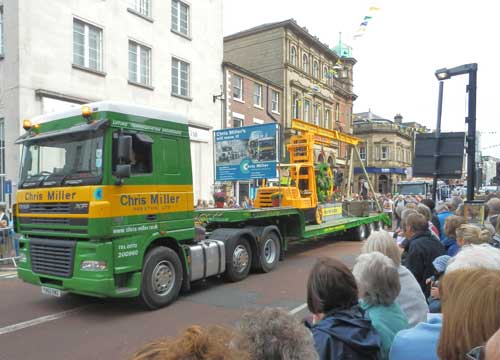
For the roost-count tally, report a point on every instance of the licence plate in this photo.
(51, 291)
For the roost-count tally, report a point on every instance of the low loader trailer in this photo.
(105, 209)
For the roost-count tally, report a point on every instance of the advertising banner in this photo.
(245, 153)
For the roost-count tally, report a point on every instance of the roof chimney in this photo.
(398, 119)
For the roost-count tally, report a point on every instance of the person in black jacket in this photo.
(340, 329)
(422, 249)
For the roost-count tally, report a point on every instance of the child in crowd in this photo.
(440, 263)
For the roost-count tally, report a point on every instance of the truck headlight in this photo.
(93, 265)
(22, 257)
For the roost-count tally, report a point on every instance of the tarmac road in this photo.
(36, 326)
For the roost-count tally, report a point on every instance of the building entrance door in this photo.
(383, 184)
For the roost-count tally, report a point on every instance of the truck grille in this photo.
(54, 208)
(52, 257)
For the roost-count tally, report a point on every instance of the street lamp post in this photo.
(471, 69)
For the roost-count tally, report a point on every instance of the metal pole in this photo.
(437, 134)
(367, 178)
(471, 134)
(350, 176)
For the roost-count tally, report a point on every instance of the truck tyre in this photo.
(239, 262)
(359, 233)
(161, 278)
(269, 248)
(370, 228)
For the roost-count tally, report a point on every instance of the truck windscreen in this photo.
(75, 159)
(412, 189)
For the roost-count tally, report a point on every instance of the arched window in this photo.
(316, 69)
(305, 63)
(325, 73)
(293, 55)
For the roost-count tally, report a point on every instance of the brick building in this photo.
(250, 99)
(316, 81)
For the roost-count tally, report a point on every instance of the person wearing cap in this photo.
(440, 263)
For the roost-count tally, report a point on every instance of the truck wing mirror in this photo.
(125, 148)
(123, 171)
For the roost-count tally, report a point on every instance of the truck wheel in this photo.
(269, 249)
(238, 266)
(359, 233)
(161, 278)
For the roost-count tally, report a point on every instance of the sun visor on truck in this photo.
(74, 130)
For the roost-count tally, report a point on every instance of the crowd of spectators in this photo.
(430, 289)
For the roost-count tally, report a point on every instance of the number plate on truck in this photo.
(51, 291)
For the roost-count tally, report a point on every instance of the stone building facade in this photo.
(316, 81)
(386, 151)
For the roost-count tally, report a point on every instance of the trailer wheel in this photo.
(161, 278)
(371, 227)
(238, 265)
(318, 218)
(269, 248)
(359, 233)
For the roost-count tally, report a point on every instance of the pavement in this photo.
(36, 326)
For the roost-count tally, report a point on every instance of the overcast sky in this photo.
(405, 42)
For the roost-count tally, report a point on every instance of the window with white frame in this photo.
(305, 63)
(384, 153)
(317, 114)
(180, 77)
(337, 112)
(237, 87)
(139, 63)
(87, 45)
(307, 110)
(293, 55)
(143, 7)
(362, 152)
(1, 30)
(328, 118)
(275, 101)
(257, 94)
(316, 69)
(180, 17)
(237, 122)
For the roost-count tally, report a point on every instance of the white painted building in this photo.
(161, 53)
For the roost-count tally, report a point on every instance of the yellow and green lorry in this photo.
(105, 209)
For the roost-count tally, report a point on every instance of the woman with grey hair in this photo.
(424, 210)
(378, 285)
(411, 299)
(274, 334)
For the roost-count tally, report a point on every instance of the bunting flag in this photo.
(364, 24)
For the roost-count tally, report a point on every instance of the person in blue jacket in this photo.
(340, 328)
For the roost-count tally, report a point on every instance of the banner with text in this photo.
(245, 153)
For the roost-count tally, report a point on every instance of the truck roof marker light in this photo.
(27, 125)
(86, 112)
(36, 128)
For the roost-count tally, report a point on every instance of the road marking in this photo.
(38, 321)
(298, 309)
(8, 275)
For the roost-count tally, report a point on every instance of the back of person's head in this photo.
(330, 286)
(451, 224)
(411, 205)
(455, 203)
(196, 343)
(471, 315)
(475, 256)
(383, 242)
(274, 334)
(493, 206)
(424, 210)
(377, 277)
(404, 214)
(441, 208)
(468, 234)
(417, 223)
(460, 210)
(429, 203)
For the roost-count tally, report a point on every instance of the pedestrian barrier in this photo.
(9, 251)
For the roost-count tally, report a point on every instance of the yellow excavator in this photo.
(298, 180)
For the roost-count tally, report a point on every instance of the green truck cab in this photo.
(105, 209)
